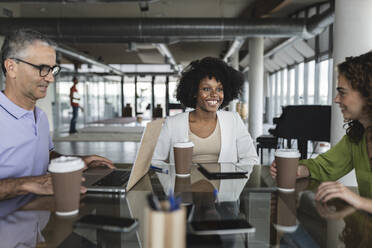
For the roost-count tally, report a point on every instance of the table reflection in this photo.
(26, 220)
(21, 228)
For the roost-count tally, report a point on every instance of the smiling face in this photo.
(210, 95)
(26, 83)
(349, 100)
(33, 85)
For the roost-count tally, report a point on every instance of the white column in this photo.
(331, 71)
(271, 99)
(317, 83)
(276, 103)
(267, 99)
(281, 88)
(352, 37)
(234, 63)
(256, 74)
(306, 83)
(289, 80)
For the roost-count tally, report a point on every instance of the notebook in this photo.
(102, 179)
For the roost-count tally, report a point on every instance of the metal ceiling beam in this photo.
(315, 26)
(156, 30)
(235, 46)
(164, 51)
(83, 58)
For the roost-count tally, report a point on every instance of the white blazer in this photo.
(236, 143)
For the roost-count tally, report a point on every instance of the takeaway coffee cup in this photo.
(286, 164)
(183, 158)
(286, 212)
(182, 188)
(66, 177)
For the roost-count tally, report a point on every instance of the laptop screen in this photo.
(144, 155)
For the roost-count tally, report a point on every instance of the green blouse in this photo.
(340, 160)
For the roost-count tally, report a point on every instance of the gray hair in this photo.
(16, 43)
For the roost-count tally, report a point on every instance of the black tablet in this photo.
(222, 170)
(211, 227)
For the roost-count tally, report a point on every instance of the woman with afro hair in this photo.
(206, 86)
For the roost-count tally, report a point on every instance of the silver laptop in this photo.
(102, 179)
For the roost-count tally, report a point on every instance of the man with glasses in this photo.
(28, 61)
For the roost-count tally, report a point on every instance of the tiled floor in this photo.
(118, 152)
(106, 139)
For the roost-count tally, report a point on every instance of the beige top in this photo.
(206, 149)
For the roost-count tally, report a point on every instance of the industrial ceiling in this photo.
(143, 32)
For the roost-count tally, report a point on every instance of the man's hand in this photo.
(40, 185)
(302, 171)
(95, 160)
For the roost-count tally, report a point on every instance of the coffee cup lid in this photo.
(66, 164)
(287, 153)
(287, 229)
(185, 144)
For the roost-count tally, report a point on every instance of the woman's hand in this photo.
(273, 170)
(302, 171)
(329, 190)
(330, 212)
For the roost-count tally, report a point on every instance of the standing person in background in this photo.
(74, 100)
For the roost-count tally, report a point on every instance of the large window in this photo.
(159, 90)
(323, 83)
(129, 92)
(301, 83)
(284, 89)
(311, 81)
(277, 93)
(144, 95)
(173, 82)
(291, 81)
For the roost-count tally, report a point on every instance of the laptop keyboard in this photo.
(115, 178)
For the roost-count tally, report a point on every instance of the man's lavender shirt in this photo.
(24, 142)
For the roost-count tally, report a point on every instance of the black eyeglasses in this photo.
(43, 69)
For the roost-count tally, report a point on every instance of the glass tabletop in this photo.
(280, 219)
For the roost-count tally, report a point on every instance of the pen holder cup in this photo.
(165, 229)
